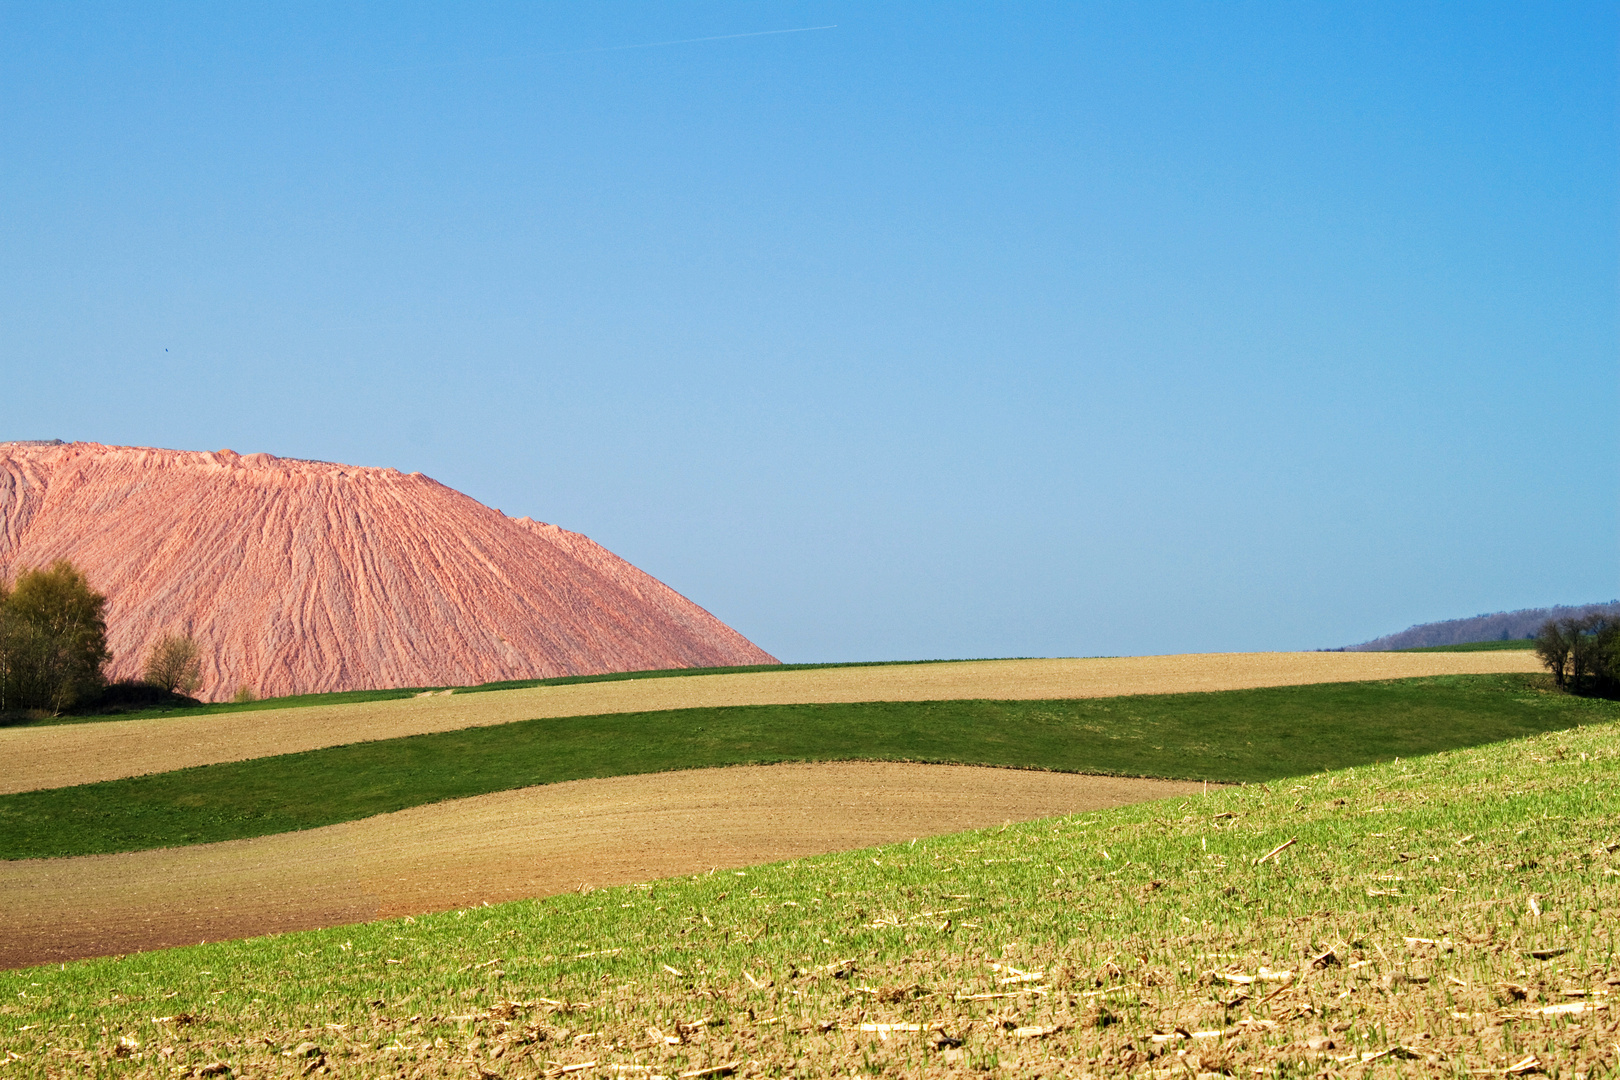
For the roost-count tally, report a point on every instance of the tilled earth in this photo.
(531, 842)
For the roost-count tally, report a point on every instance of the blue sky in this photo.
(953, 330)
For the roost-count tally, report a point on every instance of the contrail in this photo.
(600, 49)
(716, 37)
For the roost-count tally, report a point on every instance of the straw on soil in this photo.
(532, 842)
(60, 756)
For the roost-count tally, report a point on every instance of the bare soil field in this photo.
(533, 842)
(60, 756)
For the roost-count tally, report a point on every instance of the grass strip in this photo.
(1228, 736)
(1447, 915)
(1510, 645)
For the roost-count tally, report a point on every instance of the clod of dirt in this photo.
(181, 1019)
(304, 1049)
(1100, 1017)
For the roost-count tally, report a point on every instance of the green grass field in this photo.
(1231, 736)
(1449, 915)
(1510, 645)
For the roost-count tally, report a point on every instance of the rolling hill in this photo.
(1498, 626)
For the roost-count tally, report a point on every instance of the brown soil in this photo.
(59, 756)
(533, 842)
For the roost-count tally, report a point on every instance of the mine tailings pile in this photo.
(304, 576)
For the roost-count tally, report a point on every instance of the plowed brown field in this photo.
(533, 842)
(85, 753)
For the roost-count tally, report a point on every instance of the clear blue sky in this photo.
(971, 330)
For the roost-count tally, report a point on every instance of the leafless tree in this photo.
(1582, 654)
(175, 664)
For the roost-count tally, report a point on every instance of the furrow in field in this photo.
(532, 842)
(64, 755)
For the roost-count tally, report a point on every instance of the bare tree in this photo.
(1553, 646)
(175, 664)
(1582, 654)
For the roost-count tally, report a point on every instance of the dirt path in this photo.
(534, 842)
(85, 753)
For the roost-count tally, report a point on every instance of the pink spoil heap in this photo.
(303, 576)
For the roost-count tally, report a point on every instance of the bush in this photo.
(127, 696)
(53, 640)
(175, 665)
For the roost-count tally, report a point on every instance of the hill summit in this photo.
(303, 576)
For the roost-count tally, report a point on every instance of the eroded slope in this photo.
(304, 576)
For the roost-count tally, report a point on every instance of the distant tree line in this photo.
(1498, 626)
(1583, 654)
(53, 647)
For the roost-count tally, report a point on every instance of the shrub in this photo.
(1582, 654)
(175, 664)
(131, 696)
(245, 695)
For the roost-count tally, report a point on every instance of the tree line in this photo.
(53, 645)
(1582, 654)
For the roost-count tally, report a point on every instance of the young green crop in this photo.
(1440, 915)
